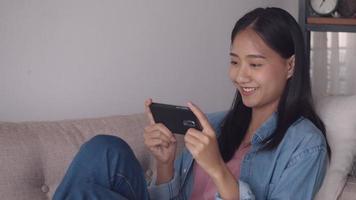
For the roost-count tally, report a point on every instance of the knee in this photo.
(103, 143)
(107, 140)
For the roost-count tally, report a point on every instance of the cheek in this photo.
(274, 80)
(232, 73)
(275, 85)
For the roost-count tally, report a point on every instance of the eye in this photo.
(234, 63)
(255, 65)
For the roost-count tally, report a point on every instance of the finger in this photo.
(192, 139)
(193, 146)
(150, 128)
(161, 129)
(198, 135)
(191, 149)
(156, 134)
(156, 142)
(148, 111)
(166, 132)
(201, 116)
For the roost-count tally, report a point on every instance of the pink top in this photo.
(204, 188)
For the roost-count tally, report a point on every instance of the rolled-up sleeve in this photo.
(245, 192)
(166, 190)
(171, 189)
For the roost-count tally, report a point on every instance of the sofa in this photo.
(35, 155)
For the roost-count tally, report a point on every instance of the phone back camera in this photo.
(189, 123)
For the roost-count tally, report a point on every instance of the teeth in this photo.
(248, 89)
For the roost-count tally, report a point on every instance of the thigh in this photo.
(87, 190)
(107, 165)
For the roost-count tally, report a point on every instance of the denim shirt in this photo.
(293, 170)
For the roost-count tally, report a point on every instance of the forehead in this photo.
(248, 42)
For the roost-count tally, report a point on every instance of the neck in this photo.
(259, 116)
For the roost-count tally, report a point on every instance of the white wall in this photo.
(290, 5)
(66, 59)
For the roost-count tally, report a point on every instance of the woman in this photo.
(270, 145)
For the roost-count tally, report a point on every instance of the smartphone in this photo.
(178, 119)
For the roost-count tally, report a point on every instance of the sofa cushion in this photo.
(35, 155)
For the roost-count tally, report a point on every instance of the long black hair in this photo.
(279, 30)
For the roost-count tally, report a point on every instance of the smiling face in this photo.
(259, 73)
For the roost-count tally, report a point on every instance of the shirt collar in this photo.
(266, 129)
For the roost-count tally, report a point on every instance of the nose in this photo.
(242, 75)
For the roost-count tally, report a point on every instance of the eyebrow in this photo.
(249, 56)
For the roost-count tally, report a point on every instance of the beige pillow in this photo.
(339, 116)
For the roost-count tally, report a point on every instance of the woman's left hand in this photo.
(203, 145)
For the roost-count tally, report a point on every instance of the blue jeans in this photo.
(104, 168)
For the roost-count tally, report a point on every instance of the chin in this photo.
(248, 104)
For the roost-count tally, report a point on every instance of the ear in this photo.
(290, 65)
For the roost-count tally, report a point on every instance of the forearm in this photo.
(165, 185)
(165, 173)
(226, 184)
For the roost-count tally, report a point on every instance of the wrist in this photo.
(221, 173)
(165, 172)
(226, 184)
(165, 164)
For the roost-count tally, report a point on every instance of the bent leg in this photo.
(107, 164)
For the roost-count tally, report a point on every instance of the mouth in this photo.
(247, 91)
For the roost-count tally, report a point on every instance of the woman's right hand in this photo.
(159, 139)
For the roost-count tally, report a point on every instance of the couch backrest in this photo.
(35, 155)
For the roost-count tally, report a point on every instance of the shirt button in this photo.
(184, 170)
(44, 188)
(149, 173)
